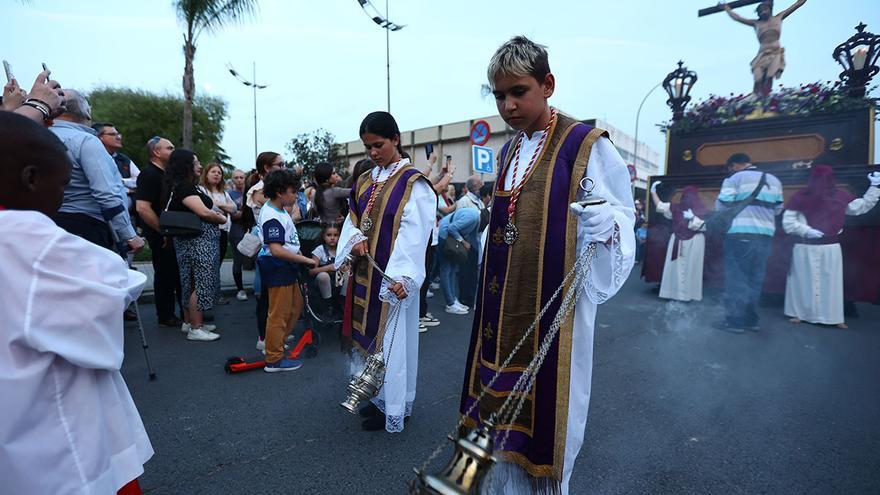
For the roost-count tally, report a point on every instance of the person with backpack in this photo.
(756, 198)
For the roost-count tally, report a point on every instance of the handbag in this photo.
(249, 245)
(455, 251)
(719, 222)
(179, 223)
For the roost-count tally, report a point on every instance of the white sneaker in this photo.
(461, 306)
(261, 345)
(422, 328)
(186, 327)
(429, 321)
(201, 335)
(241, 296)
(456, 310)
(434, 286)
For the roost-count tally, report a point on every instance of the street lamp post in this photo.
(638, 114)
(252, 84)
(388, 26)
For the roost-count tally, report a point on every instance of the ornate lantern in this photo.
(466, 471)
(678, 84)
(858, 57)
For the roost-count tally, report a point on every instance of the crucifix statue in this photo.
(770, 61)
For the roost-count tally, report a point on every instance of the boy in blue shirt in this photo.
(277, 261)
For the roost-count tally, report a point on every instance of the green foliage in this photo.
(212, 15)
(309, 149)
(140, 115)
(199, 16)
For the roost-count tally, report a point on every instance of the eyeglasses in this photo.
(115, 134)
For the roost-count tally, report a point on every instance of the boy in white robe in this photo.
(536, 231)
(68, 424)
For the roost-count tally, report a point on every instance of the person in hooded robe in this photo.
(815, 216)
(683, 271)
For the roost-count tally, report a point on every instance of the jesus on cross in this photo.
(770, 61)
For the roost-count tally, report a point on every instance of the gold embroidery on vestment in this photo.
(534, 220)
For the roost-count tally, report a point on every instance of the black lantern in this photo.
(858, 56)
(678, 84)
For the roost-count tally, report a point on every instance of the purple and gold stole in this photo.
(515, 283)
(368, 313)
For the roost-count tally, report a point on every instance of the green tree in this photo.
(199, 16)
(309, 149)
(140, 115)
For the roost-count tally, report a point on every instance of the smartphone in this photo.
(45, 67)
(429, 148)
(448, 159)
(8, 69)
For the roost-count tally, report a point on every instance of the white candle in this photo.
(859, 58)
(678, 85)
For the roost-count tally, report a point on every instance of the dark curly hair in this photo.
(278, 181)
(179, 170)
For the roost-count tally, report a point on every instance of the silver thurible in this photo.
(366, 385)
(464, 474)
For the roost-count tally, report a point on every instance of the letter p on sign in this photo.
(484, 159)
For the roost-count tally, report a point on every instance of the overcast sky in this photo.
(324, 61)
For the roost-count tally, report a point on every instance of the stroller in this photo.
(309, 232)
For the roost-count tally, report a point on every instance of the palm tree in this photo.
(199, 16)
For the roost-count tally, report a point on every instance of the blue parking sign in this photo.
(483, 159)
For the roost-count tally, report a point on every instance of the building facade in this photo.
(454, 140)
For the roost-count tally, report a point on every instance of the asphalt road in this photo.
(677, 408)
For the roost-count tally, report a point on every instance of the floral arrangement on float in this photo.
(807, 99)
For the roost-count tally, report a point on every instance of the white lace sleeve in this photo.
(409, 285)
(614, 259)
(609, 269)
(348, 238)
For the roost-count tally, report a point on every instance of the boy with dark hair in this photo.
(61, 341)
(536, 233)
(277, 263)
